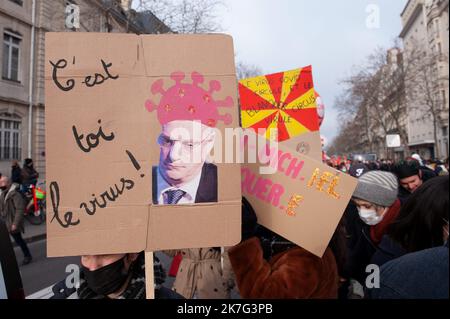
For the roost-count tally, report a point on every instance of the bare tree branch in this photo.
(185, 16)
(423, 87)
(373, 103)
(244, 70)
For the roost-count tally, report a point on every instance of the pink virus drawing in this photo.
(189, 101)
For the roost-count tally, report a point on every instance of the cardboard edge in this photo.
(150, 237)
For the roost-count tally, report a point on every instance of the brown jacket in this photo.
(29, 175)
(293, 274)
(201, 274)
(12, 208)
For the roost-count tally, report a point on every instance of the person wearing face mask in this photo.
(12, 208)
(115, 276)
(352, 227)
(377, 206)
(109, 276)
(421, 224)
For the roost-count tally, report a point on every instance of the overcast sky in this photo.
(331, 35)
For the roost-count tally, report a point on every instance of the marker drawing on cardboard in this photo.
(102, 142)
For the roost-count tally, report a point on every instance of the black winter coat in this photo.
(360, 247)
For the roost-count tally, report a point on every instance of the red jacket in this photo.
(294, 273)
(377, 231)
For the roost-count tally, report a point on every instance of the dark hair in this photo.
(406, 168)
(338, 246)
(27, 161)
(420, 222)
(357, 170)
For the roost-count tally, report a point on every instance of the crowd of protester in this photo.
(397, 220)
(392, 242)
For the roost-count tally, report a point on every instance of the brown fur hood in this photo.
(294, 273)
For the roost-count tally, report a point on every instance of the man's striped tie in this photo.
(174, 196)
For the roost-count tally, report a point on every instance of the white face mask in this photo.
(369, 216)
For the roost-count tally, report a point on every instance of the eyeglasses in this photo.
(166, 142)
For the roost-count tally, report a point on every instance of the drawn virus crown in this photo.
(189, 102)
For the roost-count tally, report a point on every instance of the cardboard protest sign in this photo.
(286, 101)
(113, 102)
(302, 201)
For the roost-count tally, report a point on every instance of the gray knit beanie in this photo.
(377, 187)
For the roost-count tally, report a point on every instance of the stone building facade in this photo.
(23, 24)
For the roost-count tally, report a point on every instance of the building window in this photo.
(11, 56)
(9, 137)
(444, 131)
(19, 2)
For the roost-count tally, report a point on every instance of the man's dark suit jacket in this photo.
(207, 189)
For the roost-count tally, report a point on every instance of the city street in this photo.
(42, 272)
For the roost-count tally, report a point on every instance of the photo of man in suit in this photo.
(184, 175)
(188, 114)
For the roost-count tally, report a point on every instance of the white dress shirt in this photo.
(190, 188)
